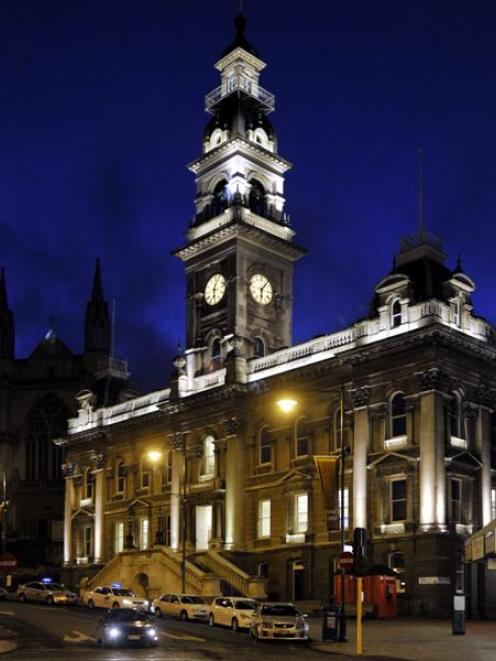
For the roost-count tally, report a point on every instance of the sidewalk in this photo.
(414, 639)
(7, 640)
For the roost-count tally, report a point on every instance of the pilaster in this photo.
(235, 496)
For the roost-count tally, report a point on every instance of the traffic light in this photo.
(360, 550)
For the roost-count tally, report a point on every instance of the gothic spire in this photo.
(97, 322)
(7, 331)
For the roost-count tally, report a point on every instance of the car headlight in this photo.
(151, 632)
(114, 632)
(127, 602)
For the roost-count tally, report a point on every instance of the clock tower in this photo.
(239, 253)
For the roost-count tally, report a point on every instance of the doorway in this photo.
(203, 526)
(298, 580)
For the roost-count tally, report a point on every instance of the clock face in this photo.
(261, 289)
(215, 289)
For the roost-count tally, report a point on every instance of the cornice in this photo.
(234, 145)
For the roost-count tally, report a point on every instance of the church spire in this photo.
(97, 322)
(7, 332)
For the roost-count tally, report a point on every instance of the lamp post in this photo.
(342, 616)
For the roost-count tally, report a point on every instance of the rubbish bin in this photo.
(458, 614)
(330, 623)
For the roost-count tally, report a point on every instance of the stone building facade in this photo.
(210, 472)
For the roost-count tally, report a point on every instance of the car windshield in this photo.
(280, 609)
(245, 605)
(127, 615)
(55, 586)
(123, 592)
(192, 600)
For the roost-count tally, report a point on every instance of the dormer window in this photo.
(396, 314)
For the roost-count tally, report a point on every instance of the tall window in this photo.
(144, 533)
(302, 438)
(396, 314)
(167, 469)
(344, 507)
(336, 428)
(46, 420)
(146, 473)
(398, 495)
(259, 347)
(398, 415)
(119, 537)
(397, 564)
(88, 484)
(215, 348)
(301, 513)
(493, 503)
(265, 447)
(454, 414)
(456, 500)
(257, 198)
(263, 524)
(120, 478)
(220, 199)
(208, 456)
(87, 542)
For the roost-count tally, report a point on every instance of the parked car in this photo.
(114, 596)
(123, 626)
(183, 606)
(234, 612)
(278, 621)
(48, 593)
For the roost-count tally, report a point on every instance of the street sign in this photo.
(8, 561)
(346, 560)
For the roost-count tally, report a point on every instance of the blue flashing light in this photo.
(117, 586)
(46, 580)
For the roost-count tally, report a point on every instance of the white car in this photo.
(234, 612)
(183, 606)
(280, 621)
(114, 596)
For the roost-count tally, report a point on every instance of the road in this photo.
(60, 633)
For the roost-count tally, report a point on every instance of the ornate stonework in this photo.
(361, 397)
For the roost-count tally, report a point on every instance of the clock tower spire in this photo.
(239, 253)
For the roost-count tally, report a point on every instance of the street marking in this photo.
(78, 638)
(7, 613)
(182, 637)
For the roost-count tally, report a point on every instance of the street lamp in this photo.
(287, 405)
(154, 456)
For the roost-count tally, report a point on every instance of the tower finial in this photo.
(420, 199)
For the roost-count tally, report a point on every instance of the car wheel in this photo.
(91, 604)
(211, 620)
(183, 616)
(234, 624)
(115, 605)
(158, 612)
(22, 597)
(49, 601)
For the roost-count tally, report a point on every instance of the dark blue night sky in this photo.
(101, 107)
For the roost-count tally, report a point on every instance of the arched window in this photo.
(215, 348)
(208, 466)
(120, 477)
(46, 421)
(302, 438)
(397, 564)
(265, 447)
(396, 313)
(215, 138)
(454, 416)
(398, 415)
(220, 199)
(259, 347)
(257, 198)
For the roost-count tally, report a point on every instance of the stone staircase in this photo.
(240, 582)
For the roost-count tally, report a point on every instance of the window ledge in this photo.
(206, 477)
(396, 528)
(296, 538)
(457, 442)
(396, 442)
(86, 502)
(464, 528)
(263, 468)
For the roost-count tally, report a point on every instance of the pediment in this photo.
(294, 476)
(137, 503)
(391, 458)
(81, 512)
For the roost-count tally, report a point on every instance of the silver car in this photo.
(281, 621)
(47, 593)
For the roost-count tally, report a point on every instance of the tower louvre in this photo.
(239, 253)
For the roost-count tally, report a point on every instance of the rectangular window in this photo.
(144, 534)
(208, 456)
(344, 503)
(119, 537)
(456, 500)
(398, 500)
(265, 449)
(302, 446)
(263, 528)
(493, 503)
(120, 482)
(167, 469)
(87, 542)
(301, 513)
(146, 475)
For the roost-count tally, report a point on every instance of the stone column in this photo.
(99, 506)
(235, 497)
(483, 445)
(68, 470)
(432, 453)
(176, 489)
(361, 436)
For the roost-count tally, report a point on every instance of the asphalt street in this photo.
(59, 633)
